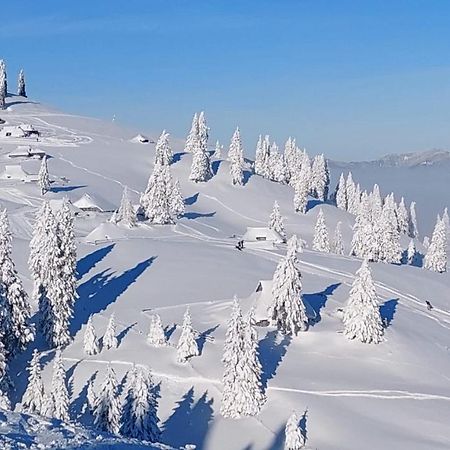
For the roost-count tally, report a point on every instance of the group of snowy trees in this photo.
(162, 202)
(92, 346)
(21, 89)
(52, 263)
(187, 346)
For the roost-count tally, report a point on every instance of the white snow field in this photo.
(395, 395)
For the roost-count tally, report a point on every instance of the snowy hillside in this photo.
(349, 395)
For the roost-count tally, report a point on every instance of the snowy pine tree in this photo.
(287, 310)
(90, 341)
(3, 84)
(203, 132)
(294, 439)
(338, 244)
(362, 319)
(140, 420)
(201, 165)
(33, 398)
(4, 378)
(59, 393)
(352, 196)
(15, 311)
(21, 90)
(126, 214)
(276, 221)
(156, 336)
(163, 152)
(364, 241)
(110, 338)
(43, 176)
(218, 150)
(390, 250)
(236, 157)
(436, 257)
(402, 217)
(413, 231)
(187, 345)
(107, 410)
(341, 194)
(320, 178)
(301, 184)
(321, 242)
(176, 201)
(412, 257)
(193, 135)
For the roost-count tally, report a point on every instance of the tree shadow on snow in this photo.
(69, 378)
(302, 425)
(203, 337)
(189, 422)
(215, 165)
(177, 157)
(387, 311)
(195, 215)
(313, 203)
(123, 333)
(272, 349)
(192, 199)
(88, 262)
(278, 440)
(318, 300)
(247, 175)
(65, 188)
(101, 290)
(169, 330)
(78, 407)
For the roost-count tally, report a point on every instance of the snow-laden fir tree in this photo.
(43, 176)
(2, 98)
(426, 242)
(446, 219)
(33, 398)
(3, 79)
(242, 394)
(201, 165)
(262, 157)
(277, 165)
(177, 205)
(412, 257)
(276, 221)
(364, 242)
(218, 150)
(140, 420)
(338, 243)
(15, 311)
(236, 157)
(287, 310)
(107, 410)
(193, 135)
(125, 215)
(352, 196)
(362, 319)
(90, 395)
(163, 152)
(187, 345)
(156, 336)
(301, 183)
(413, 231)
(341, 193)
(436, 257)
(321, 242)
(109, 338)
(4, 400)
(294, 439)
(290, 157)
(402, 217)
(156, 200)
(59, 394)
(90, 341)
(21, 89)
(320, 178)
(203, 132)
(390, 250)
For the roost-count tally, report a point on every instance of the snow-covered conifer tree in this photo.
(402, 217)
(290, 157)
(163, 152)
(15, 311)
(390, 250)
(59, 393)
(126, 214)
(140, 420)
(4, 400)
(156, 335)
(201, 165)
(352, 198)
(110, 338)
(3, 79)
(90, 395)
(21, 90)
(320, 178)
(276, 221)
(156, 200)
(91, 345)
(177, 202)
(203, 132)
(364, 242)
(362, 319)
(321, 242)
(436, 257)
(301, 182)
(107, 410)
(33, 398)
(338, 244)
(412, 257)
(446, 219)
(236, 157)
(262, 157)
(187, 345)
(193, 134)
(43, 176)
(413, 231)
(287, 310)
(294, 439)
(218, 150)
(341, 193)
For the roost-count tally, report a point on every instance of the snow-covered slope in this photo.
(391, 396)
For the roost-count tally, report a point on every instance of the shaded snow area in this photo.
(347, 395)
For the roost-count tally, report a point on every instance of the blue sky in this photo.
(352, 79)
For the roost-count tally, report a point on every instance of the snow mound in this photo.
(105, 232)
(140, 139)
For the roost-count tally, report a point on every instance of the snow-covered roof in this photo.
(56, 205)
(27, 152)
(12, 131)
(140, 139)
(16, 172)
(255, 234)
(105, 232)
(91, 202)
(262, 300)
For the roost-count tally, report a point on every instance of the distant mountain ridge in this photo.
(427, 158)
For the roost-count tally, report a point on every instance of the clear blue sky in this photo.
(353, 79)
